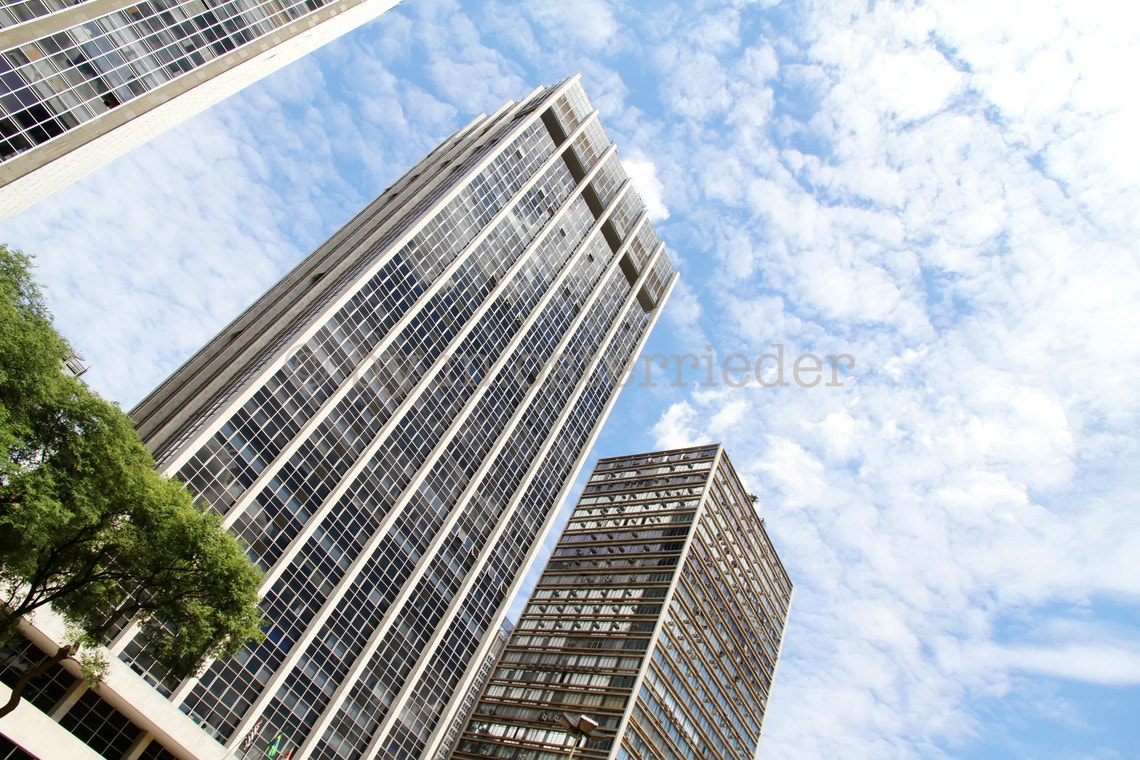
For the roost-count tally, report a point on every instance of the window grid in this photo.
(59, 81)
(383, 414)
(450, 568)
(523, 290)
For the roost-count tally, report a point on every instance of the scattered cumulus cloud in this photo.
(946, 193)
(589, 22)
(1080, 662)
(643, 173)
(676, 427)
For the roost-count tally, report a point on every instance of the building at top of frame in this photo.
(82, 83)
(391, 429)
(653, 631)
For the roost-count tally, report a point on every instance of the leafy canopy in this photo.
(87, 525)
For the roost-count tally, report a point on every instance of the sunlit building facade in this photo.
(658, 618)
(81, 83)
(391, 428)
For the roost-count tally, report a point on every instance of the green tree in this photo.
(88, 527)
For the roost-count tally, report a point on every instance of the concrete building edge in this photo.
(124, 690)
(189, 99)
(401, 699)
(37, 734)
(528, 564)
(647, 660)
(182, 450)
(775, 669)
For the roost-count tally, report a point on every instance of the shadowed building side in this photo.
(659, 618)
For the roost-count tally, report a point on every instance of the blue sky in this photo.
(946, 191)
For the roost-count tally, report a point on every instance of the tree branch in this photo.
(22, 682)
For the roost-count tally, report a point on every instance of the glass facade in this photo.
(659, 616)
(73, 72)
(391, 428)
(473, 693)
(54, 82)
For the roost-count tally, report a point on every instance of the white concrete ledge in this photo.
(124, 690)
(38, 735)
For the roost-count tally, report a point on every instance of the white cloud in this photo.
(643, 173)
(795, 473)
(935, 212)
(683, 317)
(693, 82)
(947, 192)
(675, 429)
(589, 22)
(1079, 662)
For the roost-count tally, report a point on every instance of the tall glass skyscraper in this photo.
(392, 426)
(81, 83)
(659, 619)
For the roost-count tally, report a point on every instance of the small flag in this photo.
(276, 745)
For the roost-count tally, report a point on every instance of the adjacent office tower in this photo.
(473, 693)
(392, 426)
(81, 83)
(655, 628)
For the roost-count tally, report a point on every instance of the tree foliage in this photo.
(87, 525)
